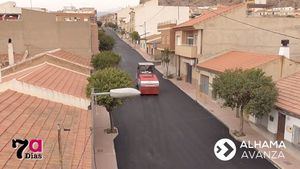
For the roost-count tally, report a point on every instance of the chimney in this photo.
(285, 49)
(11, 58)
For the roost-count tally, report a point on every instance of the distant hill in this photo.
(275, 3)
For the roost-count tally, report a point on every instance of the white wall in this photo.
(9, 7)
(154, 14)
(124, 13)
(290, 122)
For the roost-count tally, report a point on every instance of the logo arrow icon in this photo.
(225, 149)
(229, 149)
(219, 149)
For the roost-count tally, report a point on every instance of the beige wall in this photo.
(39, 32)
(290, 67)
(167, 39)
(221, 34)
(272, 69)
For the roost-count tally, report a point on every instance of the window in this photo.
(178, 40)
(190, 40)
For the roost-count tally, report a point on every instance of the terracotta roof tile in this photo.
(72, 57)
(289, 93)
(20, 73)
(236, 59)
(209, 15)
(24, 116)
(57, 79)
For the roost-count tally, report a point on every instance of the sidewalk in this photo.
(227, 117)
(104, 149)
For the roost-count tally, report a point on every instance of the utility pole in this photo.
(93, 127)
(59, 145)
(177, 11)
(145, 29)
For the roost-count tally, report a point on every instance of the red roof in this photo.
(85, 61)
(24, 116)
(236, 59)
(208, 15)
(54, 78)
(289, 94)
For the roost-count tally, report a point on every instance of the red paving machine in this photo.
(147, 81)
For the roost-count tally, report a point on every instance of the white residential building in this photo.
(149, 14)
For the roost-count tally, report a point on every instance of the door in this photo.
(296, 135)
(281, 127)
(204, 84)
(188, 73)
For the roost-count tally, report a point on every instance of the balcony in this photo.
(186, 51)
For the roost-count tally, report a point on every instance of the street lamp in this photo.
(115, 93)
(119, 93)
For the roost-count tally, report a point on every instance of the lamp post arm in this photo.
(101, 94)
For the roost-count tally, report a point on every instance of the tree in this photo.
(106, 42)
(105, 59)
(246, 90)
(122, 32)
(103, 81)
(99, 23)
(111, 25)
(134, 36)
(166, 60)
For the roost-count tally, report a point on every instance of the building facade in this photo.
(284, 121)
(147, 15)
(213, 33)
(38, 31)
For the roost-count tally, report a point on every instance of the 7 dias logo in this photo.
(35, 148)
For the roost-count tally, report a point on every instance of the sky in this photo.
(100, 5)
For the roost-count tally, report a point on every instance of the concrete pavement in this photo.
(103, 144)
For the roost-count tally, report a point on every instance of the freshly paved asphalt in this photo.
(169, 131)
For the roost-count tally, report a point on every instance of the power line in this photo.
(84, 150)
(94, 154)
(155, 14)
(244, 23)
(257, 27)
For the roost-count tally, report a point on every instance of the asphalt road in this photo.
(169, 131)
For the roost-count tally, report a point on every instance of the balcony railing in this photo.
(186, 50)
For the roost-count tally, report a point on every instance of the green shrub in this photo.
(106, 42)
(105, 59)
